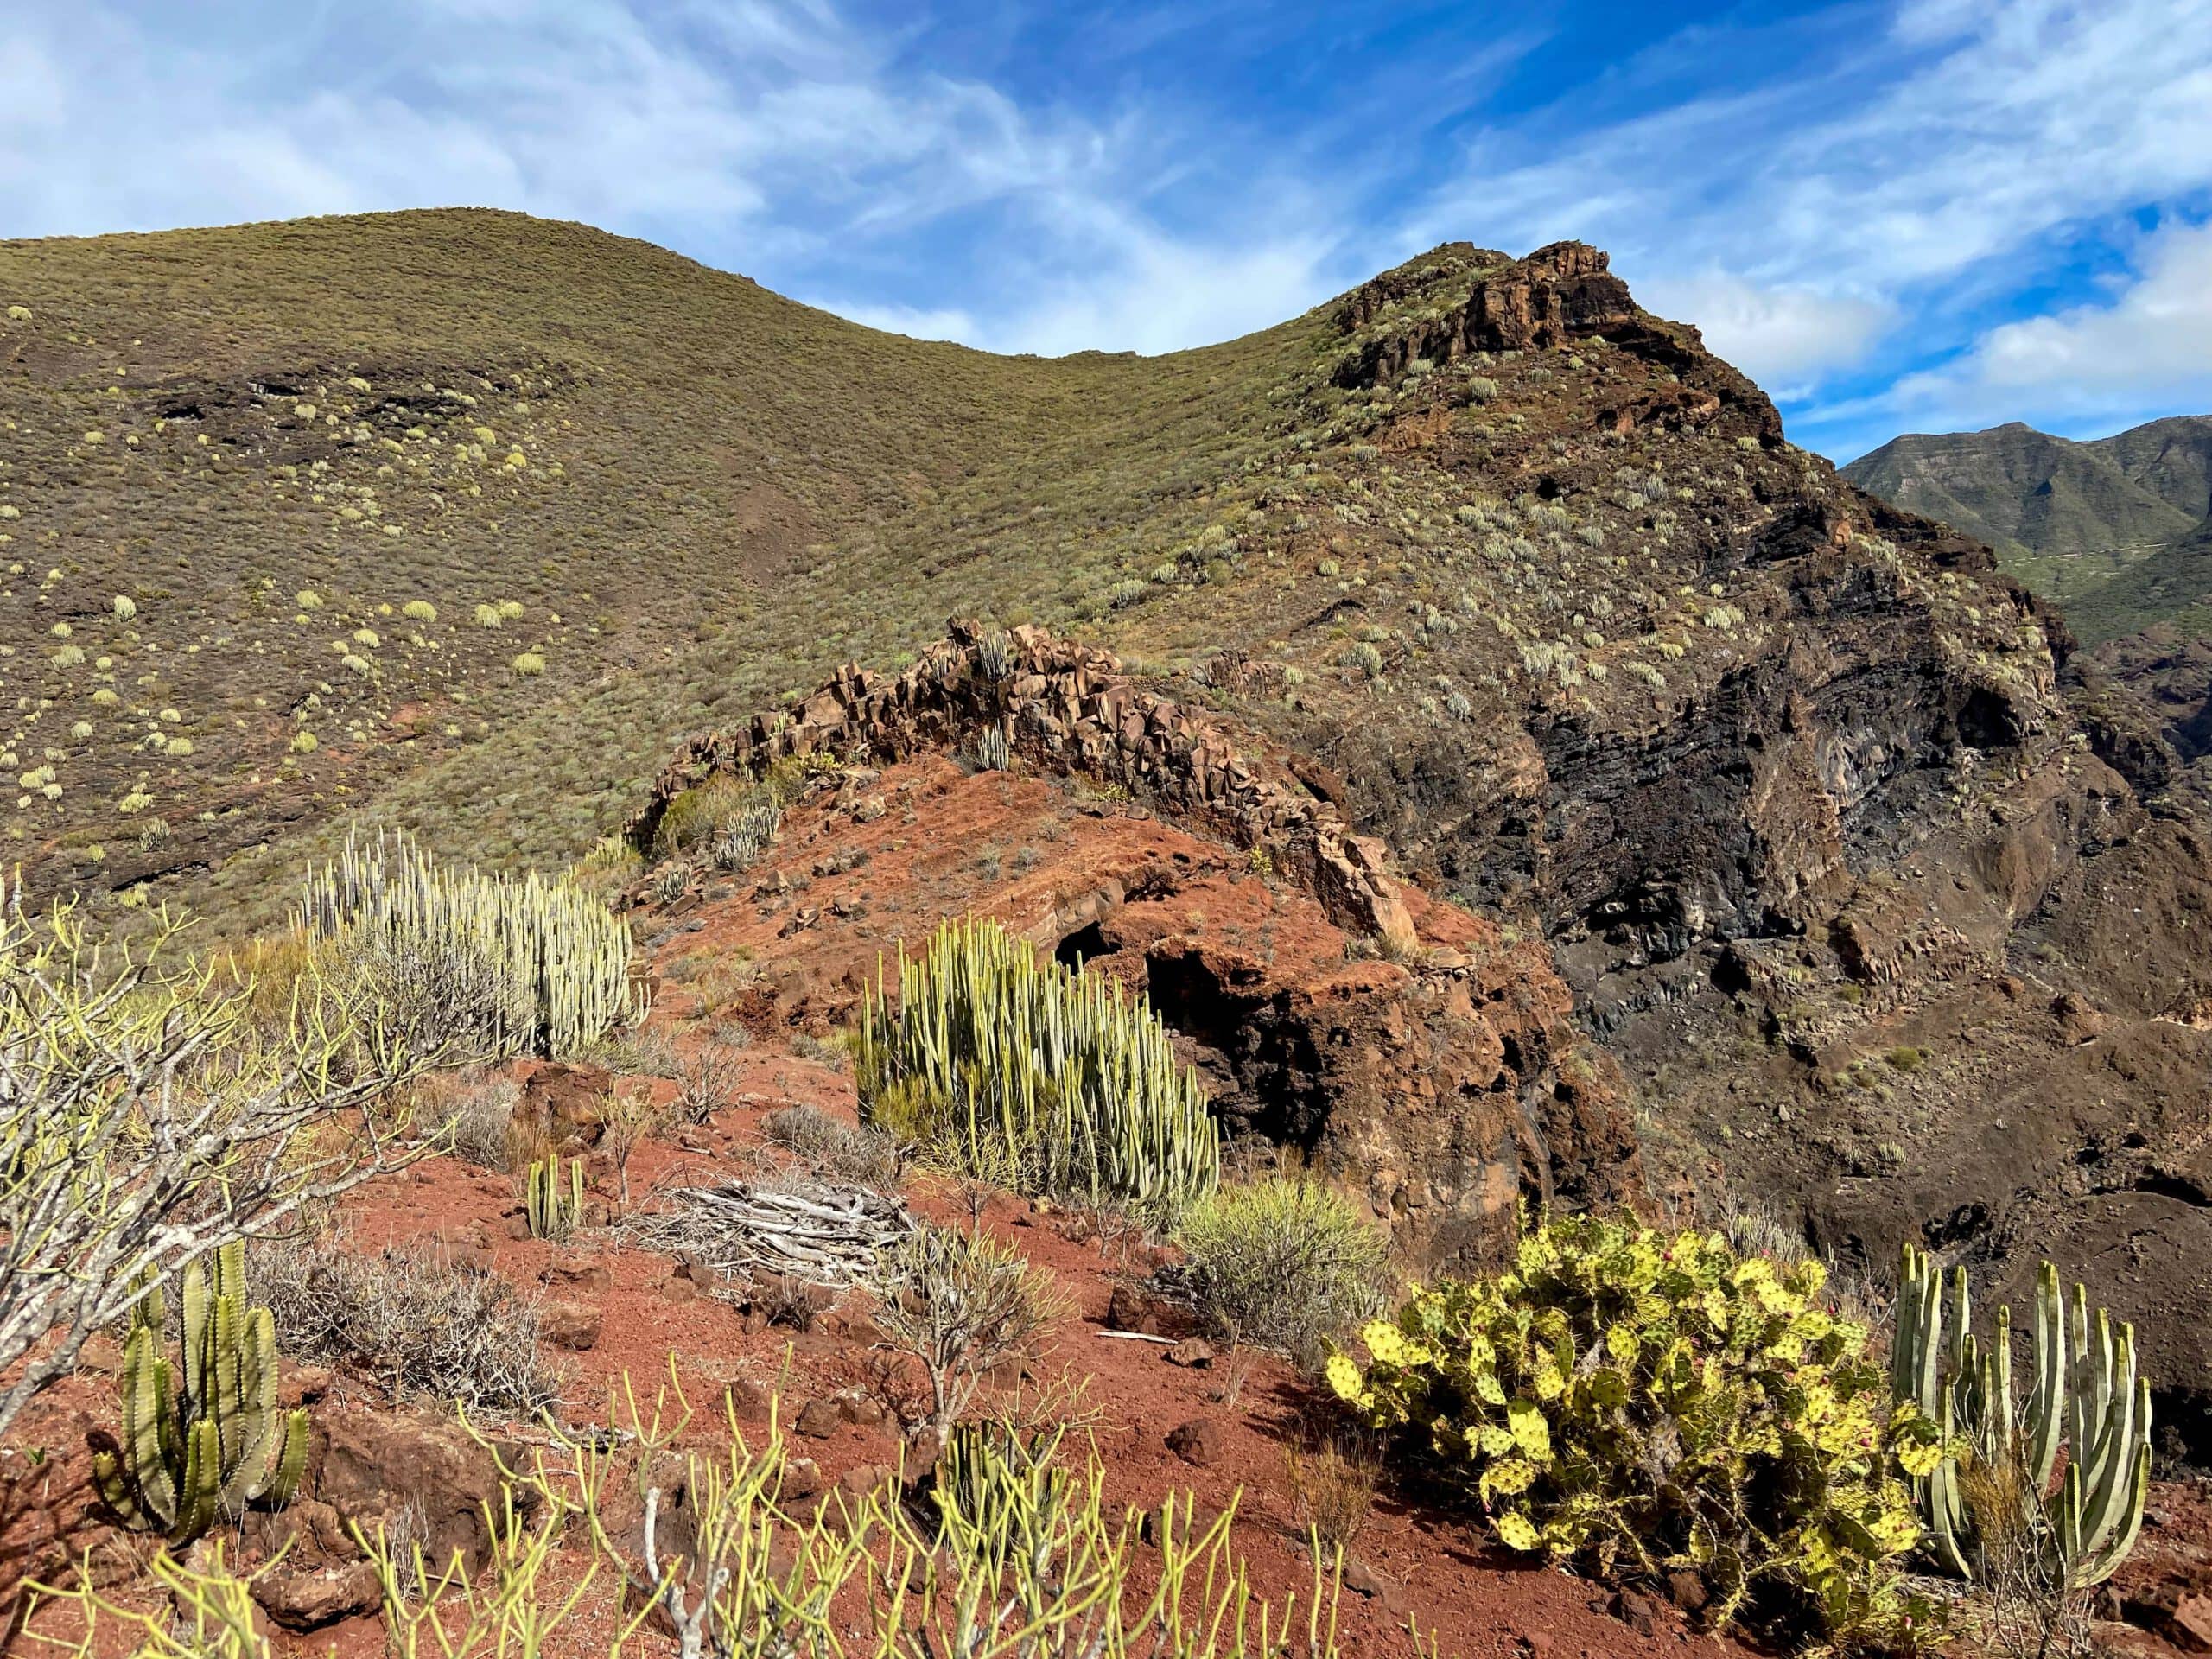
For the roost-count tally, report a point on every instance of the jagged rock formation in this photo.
(1449, 1087)
(1071, 707)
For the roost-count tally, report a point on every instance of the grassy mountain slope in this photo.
(2090, 524)
(627, 452)
(1878, 915)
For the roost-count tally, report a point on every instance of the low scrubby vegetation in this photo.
(156, 1109)
(959, 1304)
(421, 1327)
(1009, 1565)
(988, 1057)
(1283, 1263)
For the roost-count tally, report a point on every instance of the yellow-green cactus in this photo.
(1643, 1402)
(193, 1454)
(989, 1053)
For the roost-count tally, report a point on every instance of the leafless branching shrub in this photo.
(418, 1325)
(150, 1114)
(832, 1147)
(478, 1118)
(960, 1304)
(706, 1082)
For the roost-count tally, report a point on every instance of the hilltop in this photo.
(2115, 529)
(1879, 906)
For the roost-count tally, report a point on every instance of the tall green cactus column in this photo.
(2086, 1396)
(191, 1455)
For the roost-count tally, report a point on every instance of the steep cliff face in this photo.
(1875, 893)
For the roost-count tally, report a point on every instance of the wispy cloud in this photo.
(1872, 207)
(1904, 175)
(2150, 342)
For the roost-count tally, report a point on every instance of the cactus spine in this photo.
(203, 1451)
(565, 955)
(553, 1208)
(2086, 1395)
(1079, 1083)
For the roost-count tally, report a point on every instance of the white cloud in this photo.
(1929, 163)
(916, 322)
(2151, 343)
(768, 130)
(1778, 336)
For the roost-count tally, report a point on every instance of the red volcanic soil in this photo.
(781, 953)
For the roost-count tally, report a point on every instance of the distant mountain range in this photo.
(2118, 530)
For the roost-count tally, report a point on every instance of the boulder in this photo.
(374, 1466)
(1199, 1442)
(565, 1104)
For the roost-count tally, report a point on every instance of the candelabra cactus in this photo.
(554, 1207)
(565, 956)
(2086, 1395)
(194, 1455)
(1078, 1082)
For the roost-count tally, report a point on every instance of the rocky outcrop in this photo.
(1067, 706)
(1558, 296)
(1444, 1084)
(1446, 1095)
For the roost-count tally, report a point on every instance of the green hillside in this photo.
(295, 512)
(2097, 525)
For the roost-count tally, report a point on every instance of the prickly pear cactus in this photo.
(1643, 1403)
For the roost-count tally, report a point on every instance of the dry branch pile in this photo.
(811, 1230)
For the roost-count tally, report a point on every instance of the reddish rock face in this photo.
(1068, 707)
(1444, 1088)
(565, 1105)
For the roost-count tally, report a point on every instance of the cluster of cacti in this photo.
(992, 752)
(1645, 1403)
(194, 1454)
(998, 1488)
(731, 820)
(553, 1197)
(2085, 1394)
(1078, 1081)
(567, 958)
(747, 832)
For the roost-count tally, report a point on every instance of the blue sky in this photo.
(1919, 215)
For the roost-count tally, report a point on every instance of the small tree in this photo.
(148, 1117)
(960, 1304)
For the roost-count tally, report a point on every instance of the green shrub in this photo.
(1284, 1264)
(732, 821)
(560, 960)
(987, 1046)
(1639, 1404)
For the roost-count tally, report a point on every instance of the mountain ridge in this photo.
(2091, 522)
(1884, 916)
